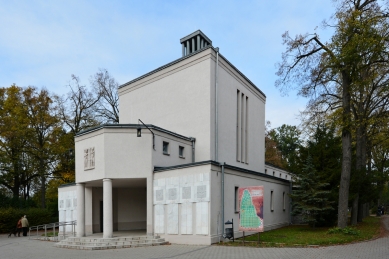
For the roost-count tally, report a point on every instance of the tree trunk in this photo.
(346, 155)
(43, 185)
(354, 211)
(43, 192)
(360, 214)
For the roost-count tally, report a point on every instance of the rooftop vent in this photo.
(194, 42)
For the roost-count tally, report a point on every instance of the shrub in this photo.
(346, 231)
(10, 216)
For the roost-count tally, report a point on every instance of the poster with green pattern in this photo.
(251, 208)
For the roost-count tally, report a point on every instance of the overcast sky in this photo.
(43, 42)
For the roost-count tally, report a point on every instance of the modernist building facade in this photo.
(178, 175)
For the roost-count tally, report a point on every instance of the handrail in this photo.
(53, 226)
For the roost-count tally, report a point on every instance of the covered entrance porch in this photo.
(113, 207)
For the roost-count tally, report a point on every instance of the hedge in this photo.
(9, 217)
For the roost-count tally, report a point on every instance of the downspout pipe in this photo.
(216, 107)
(193, 140)
(222, 187)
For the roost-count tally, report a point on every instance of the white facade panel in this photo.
(186, 218)
(202, 218)
(172, 219)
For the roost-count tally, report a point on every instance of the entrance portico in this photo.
(110, 205)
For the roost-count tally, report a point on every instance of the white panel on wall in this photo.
(186, 218)
(172, 218)
(159, 191)
(186, 188)
(159, 217)
(172, 190)
(201, 188)
(202, 218)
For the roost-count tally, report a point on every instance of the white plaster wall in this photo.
(229, 81)
(176, 98)
(126, 155)
(96, 140)
(119, 153)
(160, 159)
(272, 219)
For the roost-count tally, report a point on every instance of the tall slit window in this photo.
(271, 201)
(238, 126)
(242, 127)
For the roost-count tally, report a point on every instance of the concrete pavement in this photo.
(22, 247)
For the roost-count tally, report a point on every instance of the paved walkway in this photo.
(22, 247)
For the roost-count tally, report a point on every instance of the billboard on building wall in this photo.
(251, 208)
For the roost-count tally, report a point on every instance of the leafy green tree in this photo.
(44, 129)
(333, 74)
(325, 149)
(14, 128)
(310, 196)
(288, 142)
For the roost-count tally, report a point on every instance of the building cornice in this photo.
(226, 166)
(132, 126)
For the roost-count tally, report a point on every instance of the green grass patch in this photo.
(298, 235)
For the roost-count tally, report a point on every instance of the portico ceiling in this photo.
(120, 183)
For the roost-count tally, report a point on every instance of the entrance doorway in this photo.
(101, 216)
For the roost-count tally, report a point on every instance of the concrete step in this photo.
(85, 243)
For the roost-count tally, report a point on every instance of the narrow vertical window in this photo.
(165, 148)
(271, 201)
(283, 201)
(238, 126)
(236, 198)
(242, 129)
(246, 132)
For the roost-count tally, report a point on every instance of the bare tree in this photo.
(107, 108)
(77, 108)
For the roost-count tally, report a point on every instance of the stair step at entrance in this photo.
(85, 243)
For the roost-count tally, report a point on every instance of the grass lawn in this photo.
(304, 235)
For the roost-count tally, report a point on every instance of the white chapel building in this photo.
(177, 175)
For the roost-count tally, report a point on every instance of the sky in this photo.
(42, 43)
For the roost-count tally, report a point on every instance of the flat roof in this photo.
(133, 126)
(211, 162)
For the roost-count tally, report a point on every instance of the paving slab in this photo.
(22, 247)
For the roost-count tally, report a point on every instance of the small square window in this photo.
(181, 152)
(165, 148)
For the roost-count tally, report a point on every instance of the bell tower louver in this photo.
(194, 42)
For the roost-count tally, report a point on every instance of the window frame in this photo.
(181, 148)
(167, 153)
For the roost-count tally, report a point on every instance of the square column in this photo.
(150, 207)
(88, 211)
(107, 209)
(80, 187)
